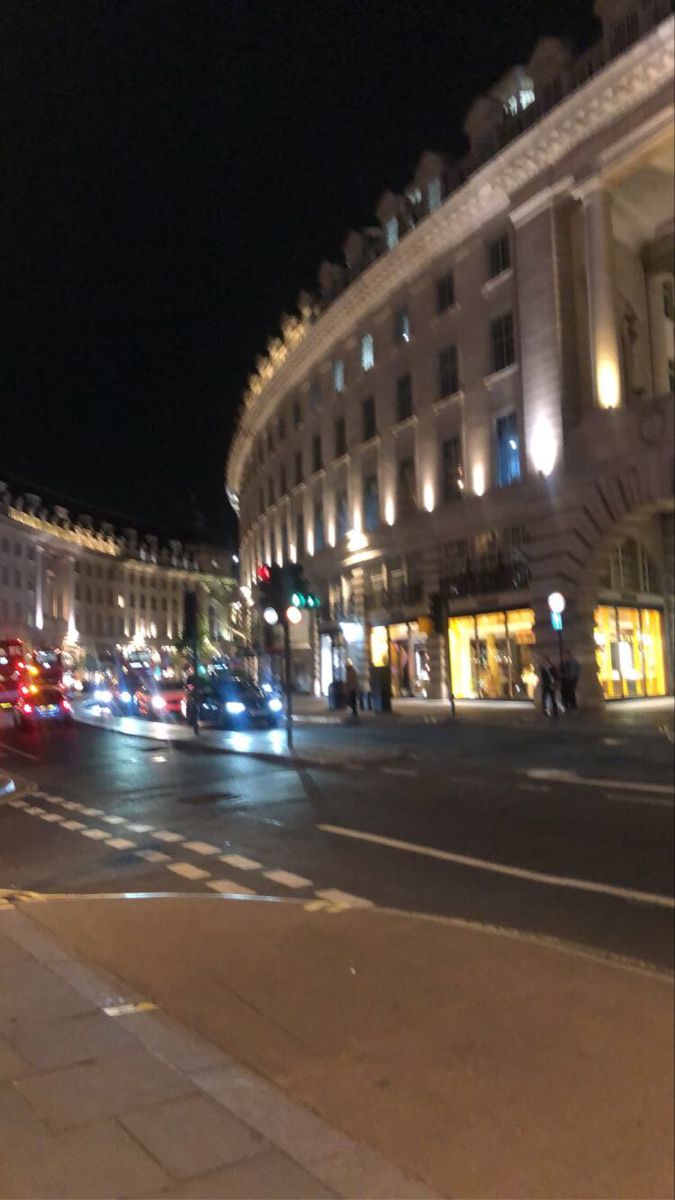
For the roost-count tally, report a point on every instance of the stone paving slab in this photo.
(273, 1176)
(46, 1045)
(192, 1135)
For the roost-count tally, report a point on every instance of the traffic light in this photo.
(281, 588)
(438, 612)
(298, 590)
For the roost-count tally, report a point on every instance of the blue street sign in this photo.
(557, 621)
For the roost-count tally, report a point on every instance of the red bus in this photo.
(13, 662)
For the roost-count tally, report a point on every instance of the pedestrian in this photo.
(571, 670)
(352, 681)
(549, 679)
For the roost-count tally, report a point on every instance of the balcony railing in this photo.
(395, 597)
(476, 580)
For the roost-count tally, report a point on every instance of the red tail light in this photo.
(65, 704)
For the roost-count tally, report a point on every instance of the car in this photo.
(233, 702)
(159, 698)
(38, 703)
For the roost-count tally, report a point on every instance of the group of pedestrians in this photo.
(559, 684)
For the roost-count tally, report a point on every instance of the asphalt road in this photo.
(484, 827)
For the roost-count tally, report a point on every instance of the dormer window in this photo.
(391, 232)
(518, 102)
(434, 194)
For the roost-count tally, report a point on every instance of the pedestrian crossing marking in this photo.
(97, 835)
(288, 879)
(187, 871)
(165, 835)
(153, 856)
(240, 861)
(121, 843)
(202, 848)
(230, 887)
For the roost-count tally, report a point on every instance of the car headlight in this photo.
(158, 702)
(125, 697)
(103, 695)
(275, 704)
(235, 707)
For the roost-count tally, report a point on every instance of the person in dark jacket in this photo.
(571, 670)
(549, 679)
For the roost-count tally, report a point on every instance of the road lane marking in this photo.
(240, 861)
(153, 856)
(619, 785)
(288, 879)
(165, 835)
(462, 860)
(139, 828)
(23, 753)
(188, 871)
(92, 812)
(202, 848)
(73, 825)
(114, 820)
(653, 801)
(97, 835)
(335, 896)
(71, 805)
(51, 816)
(121, 844)
(228, 885)
(33, 810)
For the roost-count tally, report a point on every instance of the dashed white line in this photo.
(73, 825)
(17, 802)
(463, 860)
(229, 886)
(188, 871)
(653, 801)
(240, 861)
(92, 812)
(97, 835)
(33, 810)
(51, 816)
(114, 820)
(561, 775)
(203, 848)
(153, 856)
(165, 835)
(139, 828)
(121, 844)
(337, 897)
(71, 805)
(288, 879)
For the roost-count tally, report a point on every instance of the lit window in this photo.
(448, 370)
(508, 450)
(445, 292)
(339, 375)
(402, 325)
(434, 194)
(519, 101)
(391, 232)
(502, 346)
(367, 352)
(499, 255)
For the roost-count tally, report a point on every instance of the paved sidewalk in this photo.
(104, 1096)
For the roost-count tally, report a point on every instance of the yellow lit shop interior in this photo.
(492, 655)
(629, 651)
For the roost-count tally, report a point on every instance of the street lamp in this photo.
(556, 604)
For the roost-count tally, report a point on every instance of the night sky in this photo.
(172, 174)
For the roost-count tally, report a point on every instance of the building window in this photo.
(502, 347)
(319, 533)
(283, 482)
(297, 414)
(508, 450)
(371, 504)
(499, 253)
(445, 292)
(407, 490)
(340, 437)
(404, 401)
(317, 459)
(262, 501)
(668, 300)
(270, 491)
(671, 375)
(368, 422)
(342, 514)
(339, 375)
(298, 467)
(448, 372)
(315, 395)
(367, 352)
(434, 194)
(270, 441)
(452, 470)
(391, 232)
(401, 326)
(300, 535)
(281, 429)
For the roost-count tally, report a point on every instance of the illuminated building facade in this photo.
(67, 583)
(479, 402)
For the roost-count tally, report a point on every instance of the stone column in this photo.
(39, 569)
(69, 596)
(661, 344)
(438, 667)
(359, 652)
(604, 336)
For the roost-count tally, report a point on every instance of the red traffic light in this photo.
(264, 573)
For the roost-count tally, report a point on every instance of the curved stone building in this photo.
(479, 402)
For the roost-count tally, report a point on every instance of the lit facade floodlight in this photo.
(270, 615)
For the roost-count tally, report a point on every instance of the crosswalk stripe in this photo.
(92, 812)
(165, 835)
(338, 897)
(51, 816)
(240, 861)
(33, 810)
(187, 871)
(153, 856)
(73, 825)
(139, 828)
(229, 886)
(288, 879)
(203, 848)
(97, 835)
(121, 844)
(17, 802)
(114, 820)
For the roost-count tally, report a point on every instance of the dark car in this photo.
(232, 702)
(39, 703)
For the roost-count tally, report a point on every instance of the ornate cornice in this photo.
(621, 87)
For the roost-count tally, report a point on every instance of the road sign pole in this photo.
(288, 682)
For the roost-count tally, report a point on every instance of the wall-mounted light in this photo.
(609, 390)
(543, 446)
(356, 541)
(389, 510)
(310, 543)
(331, 532)
(478, 479)
(428, 497)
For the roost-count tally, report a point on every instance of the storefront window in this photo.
(629, 652)
(491, 655)
(379, 648)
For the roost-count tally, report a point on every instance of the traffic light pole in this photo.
(195, 706)
(288, 687)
